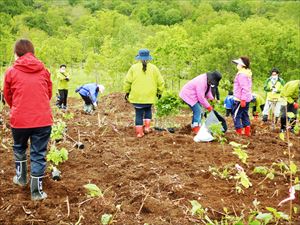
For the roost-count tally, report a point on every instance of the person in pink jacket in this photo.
(196, 92)
(242, 92)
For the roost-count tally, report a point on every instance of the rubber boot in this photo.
(139, 131)
(265, 118)
(195, 129)
(36, 189)
(238, 131)
(248, 131)
(147, 128)
(21, 173)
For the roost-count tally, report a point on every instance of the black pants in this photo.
(254, 109)
(87, 100)
(63, 95)
(142, 112)
(228, 112)
(292, 121)
(39, 138)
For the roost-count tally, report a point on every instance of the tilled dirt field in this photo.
(153, 178)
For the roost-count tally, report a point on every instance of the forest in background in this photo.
(186, 38)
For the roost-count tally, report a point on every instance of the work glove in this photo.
(158, 96)
(67, 79)
(274, 90)
(210, 108)
(296, 105)
(95, 104)
(243, 103)
(126, 96)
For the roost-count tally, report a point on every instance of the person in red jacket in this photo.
(27, 91)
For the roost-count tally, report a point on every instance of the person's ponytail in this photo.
(144, 62)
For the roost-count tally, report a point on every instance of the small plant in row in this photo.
(232, 172)
(255, 217)
(56, 157)
(58, 131)
(239, 150)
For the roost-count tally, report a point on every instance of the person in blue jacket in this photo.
(228, 103)
(89, 94)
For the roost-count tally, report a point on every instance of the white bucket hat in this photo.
(101, 88)
(239, 62)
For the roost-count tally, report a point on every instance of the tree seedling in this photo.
(242, 179)
(238, 149)
(56, 157)
(93, 190)
(58, 130)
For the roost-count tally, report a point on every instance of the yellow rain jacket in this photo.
(290, 91)
(62, 82)
(143, 86)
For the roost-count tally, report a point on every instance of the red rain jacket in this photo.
(27, 91)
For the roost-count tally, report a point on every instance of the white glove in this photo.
(95, 104)
(274, 90)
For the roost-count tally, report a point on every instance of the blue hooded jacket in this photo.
(89, 90)
(228, 102)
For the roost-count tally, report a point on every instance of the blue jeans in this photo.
(142, 111)
(196, 120)
(39, 138)
(242, 117)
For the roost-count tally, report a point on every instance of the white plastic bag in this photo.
(203, 135)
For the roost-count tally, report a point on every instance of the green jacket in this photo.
(291, 90)
(269, 88)
(62, 82)
(143, 86)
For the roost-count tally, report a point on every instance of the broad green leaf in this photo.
(293, 168)
(106, 219)
(291, 115)
(297, 187)
(281, 136)
(270, 176)
(255, 222)
(261, 170)
(265, 217)
(93, 190)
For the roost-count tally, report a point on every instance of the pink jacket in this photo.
(242, 87)
(194, 91)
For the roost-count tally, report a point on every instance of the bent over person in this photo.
(27, 91)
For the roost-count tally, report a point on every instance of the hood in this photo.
(28, 64)
(247, 72)
(214, 77)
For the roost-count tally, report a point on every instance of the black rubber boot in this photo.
(36, 189)
(265, 118)
(21, 173)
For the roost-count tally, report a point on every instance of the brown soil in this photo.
(153, 178)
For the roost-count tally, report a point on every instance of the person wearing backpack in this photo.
(28, 91)
(143, 84)
(196, 94)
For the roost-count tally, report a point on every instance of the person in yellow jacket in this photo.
(257, 103)
(143, 85)
(63, 86)
(273, 87)
(291, 93)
